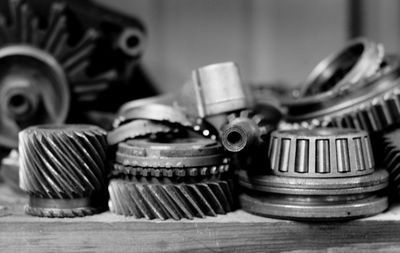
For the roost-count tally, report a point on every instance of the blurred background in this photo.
(272, 41)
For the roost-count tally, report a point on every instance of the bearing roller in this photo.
(318, 174)
(63, 169)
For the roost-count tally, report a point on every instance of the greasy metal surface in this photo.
(62, 162)
(321, 152)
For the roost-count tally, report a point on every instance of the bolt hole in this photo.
(18, 101)
(234, 138)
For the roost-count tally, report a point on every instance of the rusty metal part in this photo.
(136, 128)
(205, 171)
(158, 200)
(245, 130)
(321, 153)
(219, 89)
(170, 153)
(314, 199)
(358, 60)
(373, 107)
(392, 160)
(63, 168)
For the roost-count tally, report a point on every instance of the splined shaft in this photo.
(319, 174)
(63, 169)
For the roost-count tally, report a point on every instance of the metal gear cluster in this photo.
(47, 65)
(319, 174)
(167, 166)
(63, 170)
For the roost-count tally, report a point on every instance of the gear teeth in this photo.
(62, 163)
(329, 152)
(391, 160)
(61, 213)
(169, 201)
(170, 172)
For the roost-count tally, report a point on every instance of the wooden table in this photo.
(235, 232)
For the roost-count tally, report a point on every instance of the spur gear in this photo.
(153, 199)
(391, 160)
(63, 169)
(245, 130)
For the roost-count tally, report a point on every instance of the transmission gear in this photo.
(155, 199)
(318, 174)
(63, 169)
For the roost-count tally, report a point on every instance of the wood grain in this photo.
(235, 232)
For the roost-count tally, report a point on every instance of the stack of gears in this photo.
(167, 167)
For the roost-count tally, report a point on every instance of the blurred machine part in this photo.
(52, 66)
(392, 160)
(319, 174)
(64, 170)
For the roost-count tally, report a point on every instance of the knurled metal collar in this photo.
(321, 153)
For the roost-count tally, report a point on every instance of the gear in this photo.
(314, 198)
(39, 69)
(150, 200)
(61, 165)
(374, 107)
(245, 130)
(171, 153)
(329, 152)
(392, 160)
(171, 172)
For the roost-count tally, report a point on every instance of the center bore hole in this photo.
(132, 41)
(234, 138)
(18, 101)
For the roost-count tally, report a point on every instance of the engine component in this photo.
(63, 169)
(171, 153)
(314, 198)
(245, 130)
(372, 107)
(360, 59)
(155, 198)
(48, 66)
(318, 174)
(330, 152)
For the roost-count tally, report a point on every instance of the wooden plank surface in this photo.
(235, 232)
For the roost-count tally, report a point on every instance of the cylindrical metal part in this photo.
(63, 169)
(219, 89)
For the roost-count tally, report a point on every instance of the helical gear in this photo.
(149, 199)
(63, 168)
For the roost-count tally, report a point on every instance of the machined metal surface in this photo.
(321, 152)
(174, 152)
(219, 89)
(314, 198)
(62, 164)
(346, 69)
(371, 107)
(158, 200)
